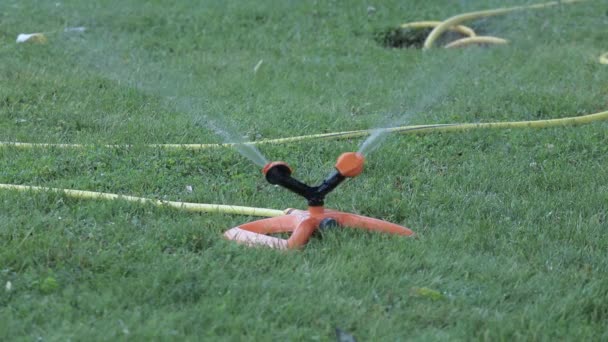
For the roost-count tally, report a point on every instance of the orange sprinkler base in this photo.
(302, 224)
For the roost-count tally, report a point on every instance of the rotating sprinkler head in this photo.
(303, 223)
(349, 164)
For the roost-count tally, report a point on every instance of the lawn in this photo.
(511, 224)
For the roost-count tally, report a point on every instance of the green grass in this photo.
(511, 224)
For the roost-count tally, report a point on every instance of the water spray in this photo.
(302, 224)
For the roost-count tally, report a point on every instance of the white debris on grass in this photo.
(125, 329)
(41, 38)
(8, 286)
(257, 66)
(75, 29)
(38, 38)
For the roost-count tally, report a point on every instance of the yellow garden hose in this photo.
(455, 24)
(190, 207)
(240, 210)
(476, 40)
(458, 19)
(467, 31)
(472, 37)
(434, 128)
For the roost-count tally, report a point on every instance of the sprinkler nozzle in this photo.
(277, 171)
(350, 164)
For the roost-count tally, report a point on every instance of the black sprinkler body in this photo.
(279, 173)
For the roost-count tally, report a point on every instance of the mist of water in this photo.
(246, 149)
(425, 89)
(373, 141)
(442, 74)
(173, 84)
(437, 73)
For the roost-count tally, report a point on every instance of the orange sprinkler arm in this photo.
(302, 224)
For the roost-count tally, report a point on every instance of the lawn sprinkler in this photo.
(302, 224)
